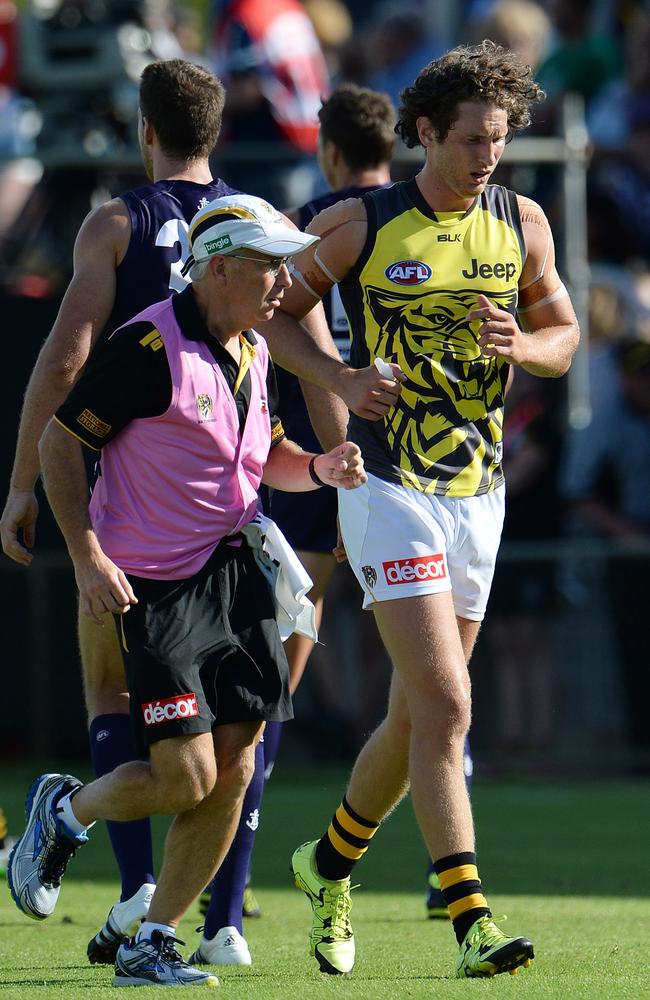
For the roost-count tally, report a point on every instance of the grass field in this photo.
(568, 863)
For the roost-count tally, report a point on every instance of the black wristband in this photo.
(312, 472)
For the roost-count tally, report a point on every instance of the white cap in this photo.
(241, 220)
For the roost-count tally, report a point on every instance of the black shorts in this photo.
(203, 651)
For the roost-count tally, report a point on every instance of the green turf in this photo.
(568, 863)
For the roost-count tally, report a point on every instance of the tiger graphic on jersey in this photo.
(444, 433)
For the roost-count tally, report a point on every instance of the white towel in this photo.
(288, 577)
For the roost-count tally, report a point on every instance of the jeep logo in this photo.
(408, 272)
(497, 270)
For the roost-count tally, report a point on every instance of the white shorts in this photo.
(401, 542)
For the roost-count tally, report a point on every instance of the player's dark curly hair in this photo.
(184, 103)
(485, 72)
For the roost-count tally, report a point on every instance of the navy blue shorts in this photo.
(307, 520)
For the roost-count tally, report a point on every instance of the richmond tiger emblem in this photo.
(450, 384)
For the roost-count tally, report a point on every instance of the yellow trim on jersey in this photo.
(77, 436)
(248, 355)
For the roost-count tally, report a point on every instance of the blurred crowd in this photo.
(68, 139)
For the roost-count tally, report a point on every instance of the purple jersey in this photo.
(160, 214)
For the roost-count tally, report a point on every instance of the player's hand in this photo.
(20, 514)
(103, 587)
(341, 467)
(368, 393)
(499, 334)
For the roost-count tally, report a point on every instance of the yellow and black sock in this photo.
(461, 888)
(346, 841)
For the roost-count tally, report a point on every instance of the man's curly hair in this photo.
(483, 73)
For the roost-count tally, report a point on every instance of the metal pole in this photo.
(576, 250)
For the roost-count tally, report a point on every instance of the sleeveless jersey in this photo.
(160, 215)
(407, 300)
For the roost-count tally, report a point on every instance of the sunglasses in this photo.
(270, 265)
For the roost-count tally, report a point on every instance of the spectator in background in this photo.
(581, 60)
(619, 127)
(268, 55)
(334, 29)
(400, 45)
(606, 480)
(524, 594)
(520, 25)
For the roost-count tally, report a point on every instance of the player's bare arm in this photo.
(100, 246)
(103, 587)
(342, 229)
(287, 467)
(548, 336)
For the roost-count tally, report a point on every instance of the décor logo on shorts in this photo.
(416, 569)
(181, 706)
(408, 272)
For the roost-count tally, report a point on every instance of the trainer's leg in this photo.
(227, 890)
(112, 743)
(203, 782)
(205, 833)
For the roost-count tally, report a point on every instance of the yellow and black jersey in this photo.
(407, 301)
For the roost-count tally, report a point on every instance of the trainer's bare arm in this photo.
(342, 229)
(100, 246)
(287, 467)
(103, 587)
(546, 341)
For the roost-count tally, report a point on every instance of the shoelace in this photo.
(341, 905)
(167, 949)
(57, 860)
(489, 932)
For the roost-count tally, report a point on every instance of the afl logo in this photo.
(408, 272)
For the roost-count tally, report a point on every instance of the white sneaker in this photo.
(122, 921)
(227, 947)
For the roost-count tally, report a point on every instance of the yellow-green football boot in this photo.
(486, 951)
(331, 939)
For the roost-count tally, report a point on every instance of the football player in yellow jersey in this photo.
(451, 281)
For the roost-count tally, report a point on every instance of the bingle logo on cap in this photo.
(216, 246)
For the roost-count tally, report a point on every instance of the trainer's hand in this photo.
(367, 393)
(499, 335)
(341, 467)
(103, 587)
(20, 514)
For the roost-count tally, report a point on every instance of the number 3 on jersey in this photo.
(175, 231)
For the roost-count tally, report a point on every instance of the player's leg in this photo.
(111, 744)
(223, 917)
(436, 907)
